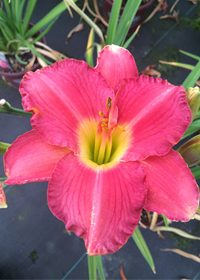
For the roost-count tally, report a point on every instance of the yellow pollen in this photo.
(121, 128)
(104, 120)
(105, 128)
(101, 113)
(104, 124)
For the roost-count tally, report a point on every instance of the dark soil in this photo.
(15, 65)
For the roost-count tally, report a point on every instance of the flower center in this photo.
(106, 140)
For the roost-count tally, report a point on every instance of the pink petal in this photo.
(102, 204)
(62, 96)
(172, 189)
(155, 113)
(116, 64)
(31, 159)
(3, 203)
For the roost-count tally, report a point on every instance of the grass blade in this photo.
(190, 55)
(28, 14)
(46, 30)
(192, 77)
(142, 246)
(131, 38)
(54, 13)
(7, 7)
(126, 21)
(90, 48)
(31, 47)
(113, 21)
(194, 127)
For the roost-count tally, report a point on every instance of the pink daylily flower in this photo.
(103, 136)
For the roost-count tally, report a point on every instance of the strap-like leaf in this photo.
(99, 267)
(192, 77)
(28, 13)
(113, 21)
(90, 49)
(194, 127)
(142, 246)
(190, 55)
(56, 11)
(126, 21)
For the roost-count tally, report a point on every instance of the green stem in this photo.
(8, 109)
(92, 268)
(3, 147)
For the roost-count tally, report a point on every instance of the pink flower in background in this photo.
(103, 139)
(3, 61)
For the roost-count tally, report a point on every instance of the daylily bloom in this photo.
(102, 136)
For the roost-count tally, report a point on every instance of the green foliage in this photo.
(15, 29)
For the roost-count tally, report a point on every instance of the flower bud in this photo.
(193, 98)
(190, 151)
(3, 203)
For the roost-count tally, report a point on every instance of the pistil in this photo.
(103, 140)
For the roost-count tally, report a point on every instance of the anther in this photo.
(121, 128)
(104, 120)
(108, 103)
(101, 114)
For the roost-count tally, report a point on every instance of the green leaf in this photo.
(28, 14)
(7, 7)
(127, 43)
(90, 49)
(4, 147)
(142, 246)
(192, 77)
(8, 21)
(126, 21)
(165, 221)
(42, 34)
(190, 55)
(113, 21)
(92, 268)
(31, 47)
(194, 127)
(99, 267)
(196, 172)
(54, 13)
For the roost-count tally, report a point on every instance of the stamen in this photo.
(108, 103)
(101, 114)
(121, 128)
